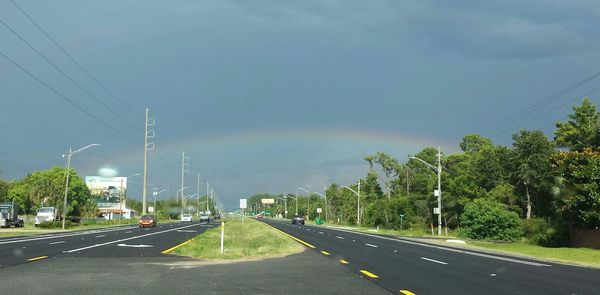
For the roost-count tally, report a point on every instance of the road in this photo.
(409, 267)
(107, 242)
(129, 260)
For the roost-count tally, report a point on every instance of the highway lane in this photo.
(403, 265)
(126, 241)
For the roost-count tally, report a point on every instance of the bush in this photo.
(543, 233)
(487, 219)
(57, 224)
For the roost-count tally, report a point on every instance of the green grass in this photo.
(250, 240)
(582, 256)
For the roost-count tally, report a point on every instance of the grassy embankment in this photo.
(250, 240)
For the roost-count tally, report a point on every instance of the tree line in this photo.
(540, 185)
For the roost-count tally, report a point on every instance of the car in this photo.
(186, 218)
(147, 221)
(204, 217)
(259, 216)
(298, 219)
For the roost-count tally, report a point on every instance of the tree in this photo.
(581, 176)
(532, 171)
(473, 143)
(582, 130)
(46, 188)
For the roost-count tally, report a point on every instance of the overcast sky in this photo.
(266, 96)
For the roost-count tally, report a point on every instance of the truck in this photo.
(9, 215)
(46, 214)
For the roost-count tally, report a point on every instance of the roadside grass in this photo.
(581, 256)
(250, 240)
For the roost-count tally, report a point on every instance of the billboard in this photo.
(106, 189)
(268, 201)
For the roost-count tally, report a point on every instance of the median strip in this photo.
(369, 274)
(37, 258)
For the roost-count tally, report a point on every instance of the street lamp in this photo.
(308, 204)
(437, 193)
(325, 197)
(70, 153)
(358, 201)
(296, 199)
(285, 204)
(155, 194)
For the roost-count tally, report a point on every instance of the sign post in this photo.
(222, 234)
(243, 205)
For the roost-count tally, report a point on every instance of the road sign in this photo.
(436, 210)
(243, 203)
(268, 201)
(319, 210)
(150, 209)
(436, 193)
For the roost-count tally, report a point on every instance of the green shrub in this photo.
(540, 232)
(487, 219)
(56, 224)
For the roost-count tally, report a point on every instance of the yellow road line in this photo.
(292, 237)
(175, 247)
(325, 253)
(37, 258)
(344, 261)
(369, 274)
(406, 292)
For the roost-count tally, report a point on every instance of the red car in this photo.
(147, 221)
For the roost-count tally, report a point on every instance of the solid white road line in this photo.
(433, 260)
(101, 236)
(371, 245)
(127, 239)
(341, 238)
(46, 237)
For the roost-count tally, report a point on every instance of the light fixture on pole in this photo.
(69, 154)
(438, 192)
(357, 202)
(308, 203)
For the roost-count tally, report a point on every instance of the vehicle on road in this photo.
(8, 215)
(204, 217)
(147, 221)
(298, 219)
(186, 217)
(46, 214)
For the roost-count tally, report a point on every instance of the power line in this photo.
(528, 110)
(71, 102)
(74, 60)
(67, 76)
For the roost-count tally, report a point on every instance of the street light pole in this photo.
(438, 169)
(308, 203)
(69, 155)
(357, 202)
(325, 197)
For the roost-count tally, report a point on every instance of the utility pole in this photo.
(147, 134)
(198, 194)
(438, 192)
(358, 202)
(184, 165)
(439, 195)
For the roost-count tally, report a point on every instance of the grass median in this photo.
(251, 240)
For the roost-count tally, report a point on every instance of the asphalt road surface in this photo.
(409, 267)
(126, 241)
(129, 260)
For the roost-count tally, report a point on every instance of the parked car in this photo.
(298, 219)
(186, 218)
(147, 221)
